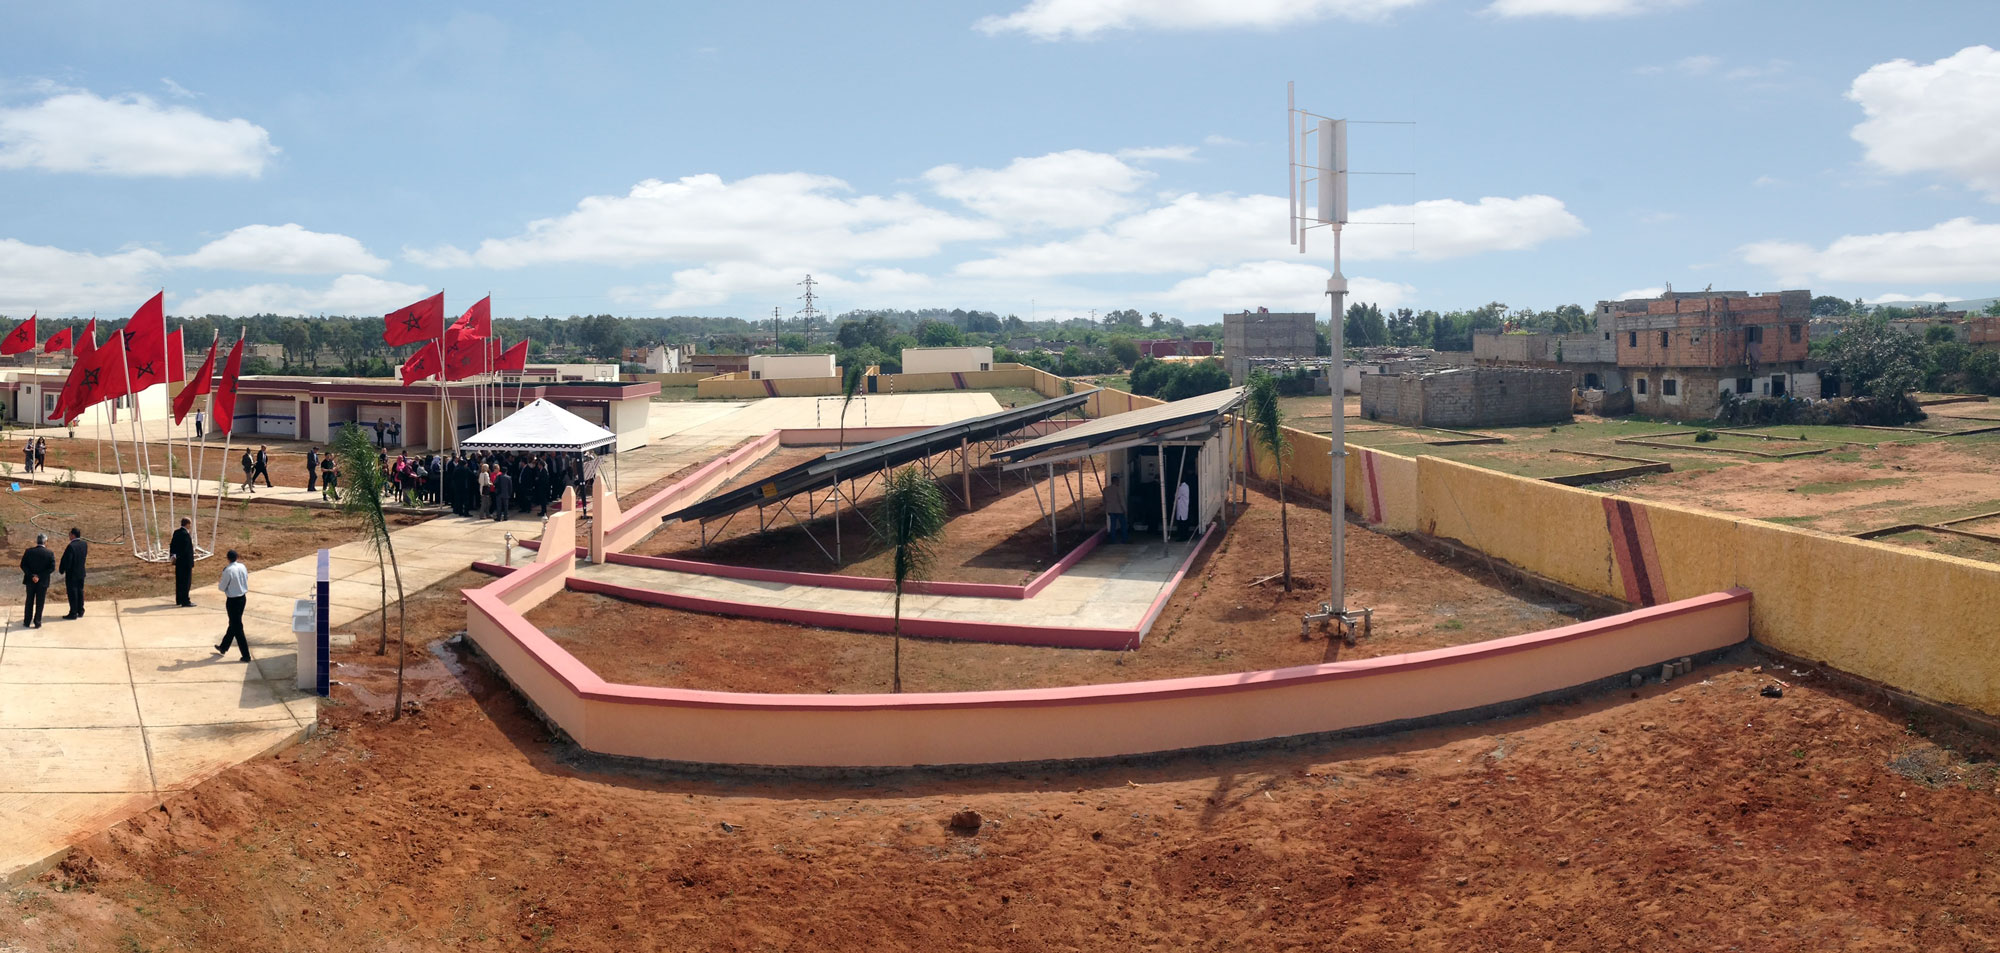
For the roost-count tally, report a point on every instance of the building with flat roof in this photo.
(777, 367)
(946, 360)
(1683, 351)
(1263, 334)
(426, 414)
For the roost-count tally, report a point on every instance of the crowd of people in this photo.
(489, 484)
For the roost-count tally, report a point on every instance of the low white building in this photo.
(944, 360)
(665, 358)
(776, 367)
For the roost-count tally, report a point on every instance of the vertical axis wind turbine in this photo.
(1307, 133)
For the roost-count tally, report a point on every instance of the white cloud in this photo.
(1768, 181)
(1172, 153)
(1216, 140)
(719, 284)
(54, 280)
(78, 131)
(1197, 232)
(1890, 297)
(1071, 189)
(178, 91)
(1658, 218)
(1955, 251)
(440, 258)
(1585, 9)
(1082, 19)
(347, 294)
(1941, 117)
(1278, 285)
(1698, 65)
(285, 250)
(787, 218)
(1639, 293)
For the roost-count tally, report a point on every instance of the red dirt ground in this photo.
(1004, 539)
(1698, 816)
(1890, 484)
(1214, 623)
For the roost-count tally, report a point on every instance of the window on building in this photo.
(1663, 339)
(1607, 335)
(1795, 334)
(1743, 385)
(1670, 388)
(1753, 335)
(1642, 385)
(1632, 339)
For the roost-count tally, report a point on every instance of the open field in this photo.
(1697, 815)
(1215, 622)
(262, 535)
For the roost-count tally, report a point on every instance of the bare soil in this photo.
(1004, 539)
(287, 458)
(1695, 816)
(1844, 493)
(1216, 622)
(262, 534)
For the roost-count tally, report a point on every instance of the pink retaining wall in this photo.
(638, 522)
(1089, 721)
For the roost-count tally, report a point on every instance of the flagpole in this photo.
(215, 526)
(142, 452)
(201, 462)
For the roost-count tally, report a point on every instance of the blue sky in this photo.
(1036, 157)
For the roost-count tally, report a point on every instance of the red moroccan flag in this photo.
(418, 322)
(477, 319)
(176, 358)
(423, 365)
(514, 360)
(59, 341)
(146, 344)
(87, 343)
(202, 383)
(20, 340)
(222, 403)
(464, 356)
(93, 380)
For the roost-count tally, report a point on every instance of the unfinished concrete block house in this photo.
(1682, 351)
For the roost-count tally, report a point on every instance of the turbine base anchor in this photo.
(1348, 622)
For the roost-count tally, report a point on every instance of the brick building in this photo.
(1591, 357)
(1170, 347)
(1682, 351)
(1264, 334)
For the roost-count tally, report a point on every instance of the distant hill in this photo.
(1970, 304)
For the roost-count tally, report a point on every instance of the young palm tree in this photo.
(365, 484)
(1270, 422)
(913, 513)
(850, 384)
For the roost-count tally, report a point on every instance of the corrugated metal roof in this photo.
(1131, 423)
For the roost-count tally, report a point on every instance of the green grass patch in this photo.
(675, 393)
(1842, 487)
(1790, 520)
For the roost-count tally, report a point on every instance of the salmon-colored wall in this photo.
(1089, 721)
(640, 521)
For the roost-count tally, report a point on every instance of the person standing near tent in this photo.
(484, 506)
(235, 586)
(37, 564)
(503, 493)
(72, 571)
(181, 548)
(312, 469)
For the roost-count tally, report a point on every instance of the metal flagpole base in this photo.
(1348, 620)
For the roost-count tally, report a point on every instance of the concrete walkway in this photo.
(1109, 589)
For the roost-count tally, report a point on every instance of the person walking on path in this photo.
(329, 479)
(249, 472)
(28, 456)
(264, 467)
(312, 469)
(37, 565)
(235, 586)
(41, 453)
(1114, 510)
(182, 550)
(72, 571)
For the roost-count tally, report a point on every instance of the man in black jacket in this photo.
(37, 565)
(263, 466)
(312, 469)
(503, 494)
(72, 571)
(182, 549)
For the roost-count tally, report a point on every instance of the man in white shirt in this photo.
(235, 586)
(1181, 500)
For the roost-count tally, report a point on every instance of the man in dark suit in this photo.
(503, 494)
(263, 466)
(182, 549)
(72, 571)
(312, 469)
(37, 565)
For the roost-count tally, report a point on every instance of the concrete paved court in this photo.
(751, 418)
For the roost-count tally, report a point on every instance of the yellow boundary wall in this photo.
(685, 379)
(1921, 622)
(739, 386)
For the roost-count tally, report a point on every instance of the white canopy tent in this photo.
(542, 427)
